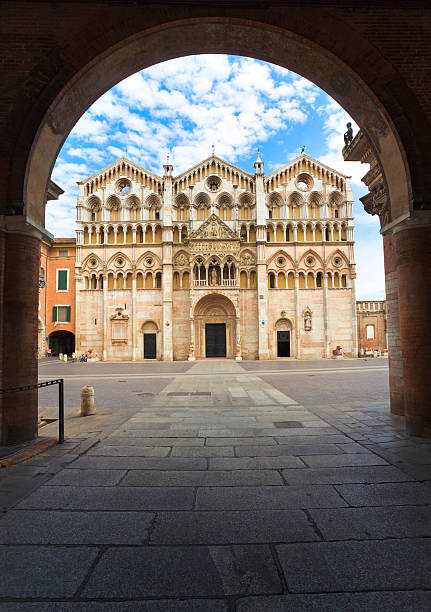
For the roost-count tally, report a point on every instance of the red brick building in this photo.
(372, 326)
(57, 297)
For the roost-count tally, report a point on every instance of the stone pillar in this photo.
(167, 305)
(20, 261)
(325, 316)
(297, 319)
(105, 315)
(134, 322)
(396, 390)
(262, 295)
(354, 318)
(413, 253)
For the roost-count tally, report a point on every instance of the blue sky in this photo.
(238, 104)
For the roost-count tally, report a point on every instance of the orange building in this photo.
(57, 297)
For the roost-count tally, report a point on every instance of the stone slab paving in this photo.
(222, 493)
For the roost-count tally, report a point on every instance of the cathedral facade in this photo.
(215, 262)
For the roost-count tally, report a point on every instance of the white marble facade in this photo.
(215, 262)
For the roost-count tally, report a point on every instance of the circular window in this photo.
(123, 186)
(149, 262)
(119, 262)
(213, 183)
(93, 263)
(309, 261)
(280, 261)
(304, 182)
(337, 261)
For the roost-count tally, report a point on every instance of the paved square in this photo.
(228, 487)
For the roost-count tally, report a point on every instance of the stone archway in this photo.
(215, 315)
(340, 53)
(150, 342)
(283, 339)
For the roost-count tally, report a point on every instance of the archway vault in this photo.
(218, 310)
(284, 44)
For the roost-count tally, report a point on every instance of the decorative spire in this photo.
(258, 157)
(302, 149)
(212, 150)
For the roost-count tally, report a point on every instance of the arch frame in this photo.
(275, 39)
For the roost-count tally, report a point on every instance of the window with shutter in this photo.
(54, 313)
(62, 278)
(63, 314)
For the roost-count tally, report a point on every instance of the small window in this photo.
(370, 332)
(157, 215)
(62, 280)
(63, 252)
(61, 314)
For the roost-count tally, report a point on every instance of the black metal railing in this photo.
(46, 383)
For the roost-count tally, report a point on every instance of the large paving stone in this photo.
(267, 498)
(203, 451)
(387, 494)
(110, 498)
(159, 605)
(344, 460)
(323, 439)
(202, 478)
(50, 527)
(287, 449)
(143, 442)
(87, 478)
(356, 566)
(246, 569)
(258, 463)
(232, 527)
(418, 454)
(42, 571)
(373, 523)
(395, 601)
(106, 450)
(342, 475)
(140, 463)
(183, 572)
(232, 441)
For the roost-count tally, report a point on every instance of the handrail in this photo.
(46, 383)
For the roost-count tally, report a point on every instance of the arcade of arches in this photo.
(382, 81)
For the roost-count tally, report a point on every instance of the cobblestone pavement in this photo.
(222, 492)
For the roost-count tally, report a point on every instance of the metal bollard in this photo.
(65, 358)
(87, 401)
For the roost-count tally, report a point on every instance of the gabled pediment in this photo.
(124, 166)
(215, 229)
(305, 163)
(213, 163)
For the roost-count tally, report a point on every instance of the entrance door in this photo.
(283, 344)
(149, 346)
(215, 340)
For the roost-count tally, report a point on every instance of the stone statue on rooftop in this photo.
(348, 134)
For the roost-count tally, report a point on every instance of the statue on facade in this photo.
(348, 134)
(213, 276)
(307, 320)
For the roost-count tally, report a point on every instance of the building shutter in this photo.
(62, 280)
(54, 313)
(68, 314)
